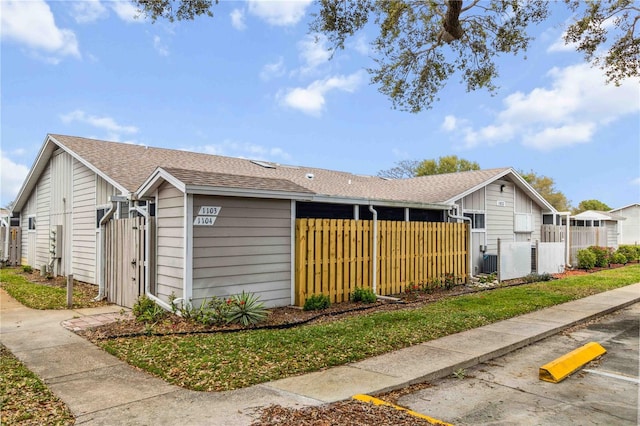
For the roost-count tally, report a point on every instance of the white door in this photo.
(478, 242)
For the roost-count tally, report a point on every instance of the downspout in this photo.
(101, 293)
(466, 219)
(147, 261)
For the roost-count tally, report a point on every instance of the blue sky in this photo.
(252, 82)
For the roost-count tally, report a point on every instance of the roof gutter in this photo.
(466, 219)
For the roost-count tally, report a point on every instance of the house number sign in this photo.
(207, 215)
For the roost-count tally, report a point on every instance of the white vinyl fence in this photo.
(519, 259)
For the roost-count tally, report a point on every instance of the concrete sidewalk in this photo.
(102, 390)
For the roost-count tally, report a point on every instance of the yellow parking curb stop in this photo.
(558, 369)
(376, 401)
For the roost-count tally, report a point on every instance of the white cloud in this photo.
(160, 47)
(32, 23)
(311, 99)
(253, 151)
(126, 11)
(103, 123)
(313, 52)
(361, 45)
(569, 112)
(237, 19)
(88, 11)
(279, 13)
(11, 177)
(449, 123)
(273, 70)
(635, 181)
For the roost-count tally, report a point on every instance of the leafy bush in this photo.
(586, 259)
(365, 295)
(603, 254)
(210, 312)
(245, 309)
(619, 258)
(630, 252)
(316, 302)
(536, 278)
(146, 310)
(28, 269)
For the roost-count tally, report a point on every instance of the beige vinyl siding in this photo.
(247, 249)
(61, 191)
(43, 207)
(499, 219)
(474, 201)
(630, 227)
(104, 190)
(170, 242)
(84, 253)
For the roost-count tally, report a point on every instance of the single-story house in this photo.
(629, 228)
(223, 225)
(606, 224)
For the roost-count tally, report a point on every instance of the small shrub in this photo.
(632, 253)
(536, 278)
(316, 302)
(603, 254)
(365, 295)
(245, 309)
(586, 259)
(619, 258)
(27, 268)
(146, 310)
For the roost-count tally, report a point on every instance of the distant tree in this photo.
(545, 186)
(421, 45)
(402, 170)
(591, 205)
(412, 168)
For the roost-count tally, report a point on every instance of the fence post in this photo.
(498, 262)
(70, 291)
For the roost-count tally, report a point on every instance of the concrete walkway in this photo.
(101, 390)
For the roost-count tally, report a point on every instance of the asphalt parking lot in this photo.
(507, 391)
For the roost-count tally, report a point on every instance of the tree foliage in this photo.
(413, 168)
(591, 205)
(545, 186)
(420, 45)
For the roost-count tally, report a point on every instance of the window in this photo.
(477, 220)
(100, 212)
(32, 223)
(547, 219)
(523, 222)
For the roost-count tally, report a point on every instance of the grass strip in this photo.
(219, 362)
(40, 296)
(25, 399)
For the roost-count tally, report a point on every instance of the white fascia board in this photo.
(91, 167)
(625, 207)
(520, 182)
(481, 185)
(38, 166)
(155, 179)
(251, 193)
(381, 203)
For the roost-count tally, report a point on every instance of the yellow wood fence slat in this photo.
(333, 256)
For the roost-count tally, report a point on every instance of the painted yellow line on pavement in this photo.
(560, 368)
(376, 401)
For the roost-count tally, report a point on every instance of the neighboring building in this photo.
(629, 228)
(607, 225)
(224, 225)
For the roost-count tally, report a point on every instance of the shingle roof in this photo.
(130, 165)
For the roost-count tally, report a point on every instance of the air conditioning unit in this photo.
(490, 263)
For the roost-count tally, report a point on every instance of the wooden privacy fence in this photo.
(334, 256)
(124, 259)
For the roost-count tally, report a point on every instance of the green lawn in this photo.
(25, 398)
(52, 295)
(216, 362)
